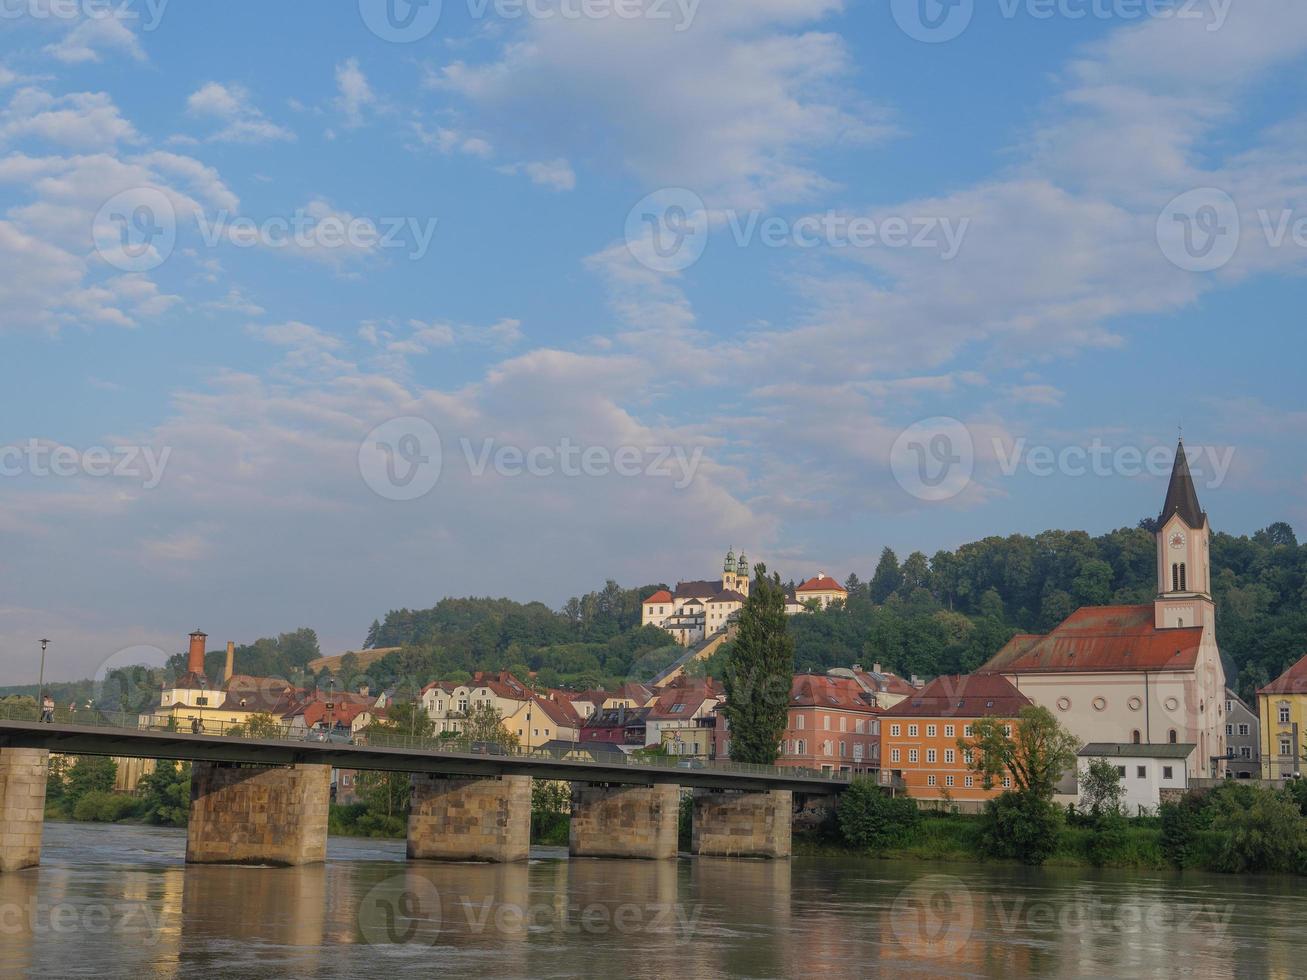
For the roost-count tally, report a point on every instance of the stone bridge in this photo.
(265, 801)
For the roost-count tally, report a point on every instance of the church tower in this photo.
(1184, 587)
(728, 572)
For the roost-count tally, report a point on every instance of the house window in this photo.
(677, 709)
(950, 756)
(1246, 751)
(1007, 731)
(825, 747)
(949, 731)
(1284, 714)
(798, 722)
(843, 746)
(1243, 729)
(1120, 771)
(1007, 782)
(844, 724)
(930, 755)
(462, 705)
(912, 731)
(803, 747)
(1175, 578)
(893, 755)
(912, 755)
(930, 780)
(895, 730)
(1229, 729)
(966, 757)
(1171, 736)
(1141, 772)
(966, 732)
(1286, 745)
(1134, 737)
(931, 731)
(948, 780)
(969, 781)
(1167, 772)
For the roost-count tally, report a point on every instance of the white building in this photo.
(1148, 674)
(1145, 770)
(696, 610)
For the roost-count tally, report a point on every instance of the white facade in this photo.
(1143, 777)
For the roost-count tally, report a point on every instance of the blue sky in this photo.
(769, 395)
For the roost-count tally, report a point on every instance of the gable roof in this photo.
(728, 595)
(965, 696)
(662, 595)
(824, 691)
(1101, 639)
(698, 589)
(822, 583)
(1292, 681)
(1181, 497)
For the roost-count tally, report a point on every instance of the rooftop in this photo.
(964, 696)
(1292, 681)
(1132, 750)
(1104, 639)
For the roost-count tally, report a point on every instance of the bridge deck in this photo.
(406, 755)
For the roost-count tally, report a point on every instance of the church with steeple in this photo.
(1139, 675)
(696, 610)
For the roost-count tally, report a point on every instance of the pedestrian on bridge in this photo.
(47, 708)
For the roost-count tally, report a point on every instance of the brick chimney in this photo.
(195, 658)
(230, 669)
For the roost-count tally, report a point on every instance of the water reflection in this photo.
(115, 902)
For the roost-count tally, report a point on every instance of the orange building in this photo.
(919, 736)
(834, 725)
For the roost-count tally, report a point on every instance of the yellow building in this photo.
(1282, 710)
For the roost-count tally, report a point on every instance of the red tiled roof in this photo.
(1101, 638)
(501, 684)
(559, 711)
(965, 696)
(662, 595)
(822, 583)
(1292, 681)
(823, 691)
(690, 693)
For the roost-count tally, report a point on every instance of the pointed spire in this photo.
(1181, 497)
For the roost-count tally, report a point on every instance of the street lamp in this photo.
(40, 684)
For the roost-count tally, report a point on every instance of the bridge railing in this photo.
(397, 739)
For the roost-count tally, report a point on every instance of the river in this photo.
(119, 901)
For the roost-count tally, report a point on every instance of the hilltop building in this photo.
(694, 611)
(820, 589)
(1143, 674)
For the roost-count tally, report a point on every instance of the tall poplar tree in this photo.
(760, 673)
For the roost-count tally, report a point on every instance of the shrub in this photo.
(871, 818)
(1263, 831)
(104, 807)
(1021, 826)
(1181, 824)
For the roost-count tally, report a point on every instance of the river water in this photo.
(114, 901)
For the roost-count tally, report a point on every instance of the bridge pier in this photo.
(470, 818)
(734, 823)
(23, 774)
(258, 814)
(624, 821)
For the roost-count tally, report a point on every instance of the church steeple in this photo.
(1181, 497)
(1184, 590)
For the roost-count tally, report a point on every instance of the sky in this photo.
(311, 311)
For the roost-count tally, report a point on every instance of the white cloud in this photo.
(557, 175)
(81, 121)
(232, 104)
(93, 36)
(355, 93)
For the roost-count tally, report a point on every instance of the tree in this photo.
(485, 723)
(885, 581)
(260, 725)
(870, 818)
(760, 673)
(166, 794)
(1101, 791)
(89, 774)
(1260, 831)
(1021, 826)
(1036, 755)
